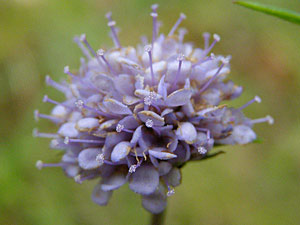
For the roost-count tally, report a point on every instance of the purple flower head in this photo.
(137, 115)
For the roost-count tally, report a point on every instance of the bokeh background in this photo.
(250, 185)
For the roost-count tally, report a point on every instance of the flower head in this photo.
(137, 114)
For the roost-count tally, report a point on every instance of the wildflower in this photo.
(137, 114)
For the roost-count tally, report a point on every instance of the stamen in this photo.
(267, 119)
(206, 37)
(82, 47)
(119, 128)
(84, 40)
(40, 165)
(205, 86)
(100, 158)
(182, 32)
(255, 99)
(80, 105)
(201, 150)
(149, 123)
(100, 53)
(216, 39)
(211, 57)
(154, 19)
(60, 87)
(180, 58)
(181, 17)
(38, 115)
(71, 140)
(36, 133)
(47, 99)
(148, 100)
(148, 49)
(112, 24)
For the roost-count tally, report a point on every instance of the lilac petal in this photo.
(116, 107)
(164, 168)
(109, 124)
(179, 97)
(129, 122)
(124, 84)
(156, 202)
(186, 132)
(149, 115)
(154, 161)
(243, 134)
(174, 177)
(139, 82)
(114, 138)
(59, 111)
(103, 82)
(87, 158)
(68, 130)
(166, 111)
(188, 109)
(144, 180)
(87, 124)
(71, 170)
(130, 100)
(120, 151)
(136, 135)
(160, 154)
(114, 181)
(99, 196)
(162, 88)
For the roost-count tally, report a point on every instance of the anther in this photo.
(132, 168)
(119, 128)
(57, 86)
(149, 123)
(154, 20)
(100, 158)
(68, 140)
(39, 164)
(201, 150)
(216, 39)
(112, 24)
(82, 47)
(47, 99)
(38, 115)
(171, 191)
(181, 17)
(255, 99)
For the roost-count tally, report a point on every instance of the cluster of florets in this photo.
(137, 115)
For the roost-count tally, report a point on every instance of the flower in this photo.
(137, 115)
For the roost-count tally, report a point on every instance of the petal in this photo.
(116, 107)
(163, 155)
(103, 82)
(124, 84)
(112, 139)
(59, 111)
(243, 134)
(108, 124)
(156, 202)
(139, 82)
(174, 177)
(144, 180)
(164, 168)
(129, 122)
(68, 130)
(157, 119)
(166, 111)
(186, 132)
(120, 151)
(179, 97)
(71, 170)
(87, 124)
(87, 158)
(130, 100)
(114, 181)
(162, 88)
(99, 196)
(136, 135)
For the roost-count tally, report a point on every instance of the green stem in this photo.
(158, 219)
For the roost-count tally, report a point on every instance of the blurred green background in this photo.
(250, 185)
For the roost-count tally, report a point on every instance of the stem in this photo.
(158, 219)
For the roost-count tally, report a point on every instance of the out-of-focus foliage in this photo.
(284, 14)
(253, 184)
